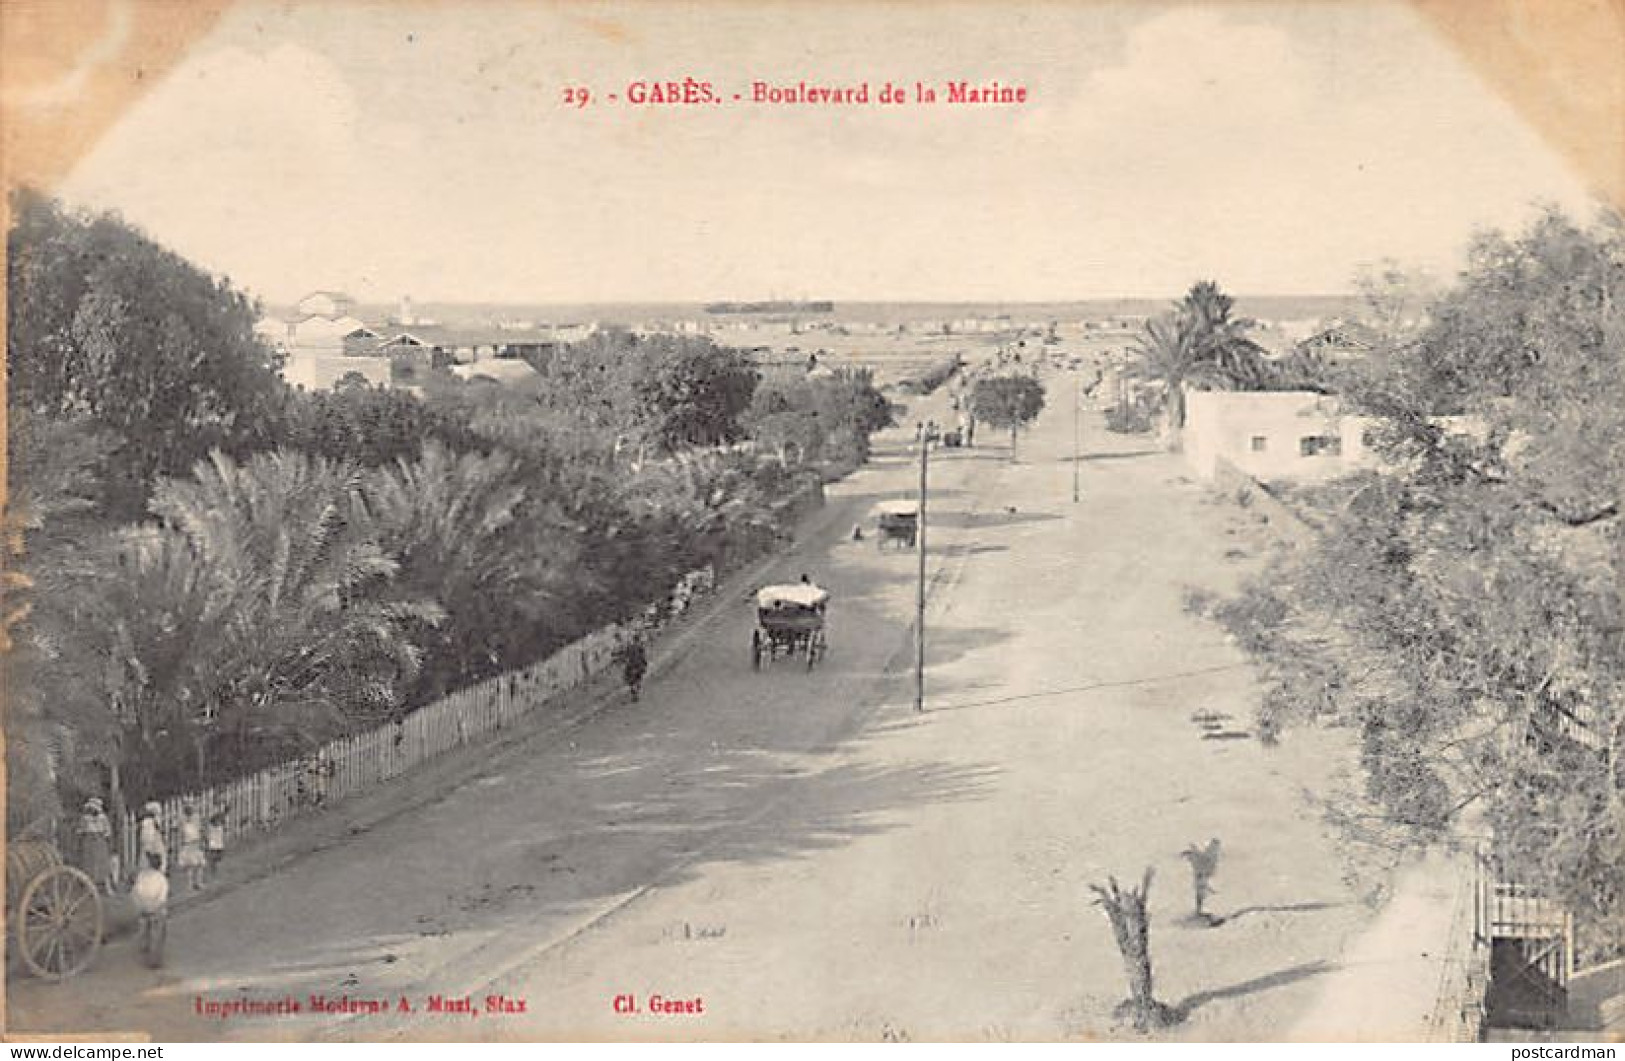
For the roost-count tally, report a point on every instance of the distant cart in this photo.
(54, 911)
(899, 524)
(789, 622)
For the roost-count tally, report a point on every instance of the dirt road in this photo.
(794, 854)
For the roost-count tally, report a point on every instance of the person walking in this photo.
(151, 897)
(634, 664)
(150, 837)
(191, 858)
(214, 842)
(96, 845)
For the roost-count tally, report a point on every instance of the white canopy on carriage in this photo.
(798, 594)
(902, 506)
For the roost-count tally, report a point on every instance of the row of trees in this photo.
(1463, 609)
(210, 571)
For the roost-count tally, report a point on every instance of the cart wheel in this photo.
(755, 650)
(59, 923)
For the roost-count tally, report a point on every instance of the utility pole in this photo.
(919, 589)
(1077, 455)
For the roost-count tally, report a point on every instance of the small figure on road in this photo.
(191, 857)
(634, 660)
(151, 897)
(95, 845)
(214, 842)
(150, 837)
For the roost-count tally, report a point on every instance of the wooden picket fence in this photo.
(351, 765)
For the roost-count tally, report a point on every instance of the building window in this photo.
(1320, 446)
(1259, 442)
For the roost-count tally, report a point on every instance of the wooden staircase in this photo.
(1531, 941)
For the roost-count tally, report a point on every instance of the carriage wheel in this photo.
(59, 923)
(755, 650)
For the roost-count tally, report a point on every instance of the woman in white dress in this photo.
(191, 858)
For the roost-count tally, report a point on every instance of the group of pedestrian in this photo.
(202, 845)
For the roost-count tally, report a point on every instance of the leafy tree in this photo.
(1007, 403)
(653, 392)
(784, 417)
(693, 394)
(1463, 608)
(54, 477)
(105, 323)
(374, 426)
(819, 418)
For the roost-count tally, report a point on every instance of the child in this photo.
(151, 890)
(191, 857)
(151, 897)
(214, 842)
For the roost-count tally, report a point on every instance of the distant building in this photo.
(1299, 436)
(1341, 341)
(319, 372)
(498, 371)
(274, 331)
(329, 304)
(782, 364)
(460, 346)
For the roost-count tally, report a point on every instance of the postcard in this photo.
(844, 522)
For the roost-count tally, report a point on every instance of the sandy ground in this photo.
(801, 855)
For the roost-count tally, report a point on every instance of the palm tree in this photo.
(1171, 351)
(1222, 337)
(495, 555)
(297, 638)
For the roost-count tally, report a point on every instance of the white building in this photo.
(1295, 435)
(1298, 436)
(313, 371)
(328, 304)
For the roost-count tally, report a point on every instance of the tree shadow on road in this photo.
(986, 520)
(1116, 455)
(1286, 908)
(1191, 1003)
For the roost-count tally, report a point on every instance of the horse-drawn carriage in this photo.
(55, 911)
(898, 523)
(789, 622)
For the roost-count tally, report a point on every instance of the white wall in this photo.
(1262, 434)
(319, 371)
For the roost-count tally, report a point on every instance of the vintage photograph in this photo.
(814, 521)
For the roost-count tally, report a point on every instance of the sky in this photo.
(427, 150)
